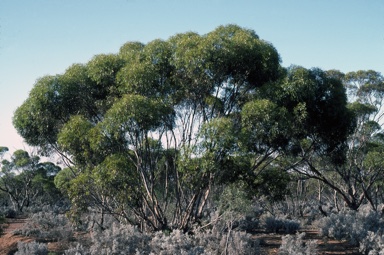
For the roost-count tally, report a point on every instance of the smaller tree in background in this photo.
(356, 177)
(26, 181)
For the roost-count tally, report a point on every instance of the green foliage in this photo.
(27, 181)
(63, 178)
(3, 150)
(150, 131)
(356, 174)
(73, 138)
(327, 118)
(265, 125)
(273, 183)
(37, 114)
(130, 114)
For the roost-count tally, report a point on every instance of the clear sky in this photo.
(44, 37)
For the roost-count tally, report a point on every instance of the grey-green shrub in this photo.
(126, 239)
(351, 225)
(174, 243)
(295, 245)
(32, 248)
(372, 244)
(241, 243)
(47, 225)
(247, 224)
(77, 250)
(119, 239)
(278, 224)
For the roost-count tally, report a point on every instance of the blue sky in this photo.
(44, 37)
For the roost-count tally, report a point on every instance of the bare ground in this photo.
(8, 241)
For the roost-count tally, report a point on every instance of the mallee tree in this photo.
(147, 134)
(26, 181)
(359, 177)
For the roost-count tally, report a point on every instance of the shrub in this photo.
(119, 239)
(92, 220)
(10, 213)
(295, 245)
(47, 225)
(78, 250)
(240, 243)
(32, 248)
(125, 239)
(204, 242)
(175, 243)
(276, 225)
(351, 225)
(58, 208)
(247, 224)
(372, 244)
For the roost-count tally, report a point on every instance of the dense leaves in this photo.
(149, 132)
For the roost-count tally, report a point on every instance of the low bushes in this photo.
(123, 239)
(280, 225)
(363, 228)
(372, 244)
(47, 226)
(32, 248)
(351, 225)
(295, 245)
(218, 235)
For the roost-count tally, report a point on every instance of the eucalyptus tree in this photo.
(149, 132)
(27, 181)
(364, 170)
(358, 176)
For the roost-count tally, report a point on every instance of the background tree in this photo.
(26, 181)
(357, 178)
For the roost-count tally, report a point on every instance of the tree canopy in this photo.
(148, 133)
(359, 178)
